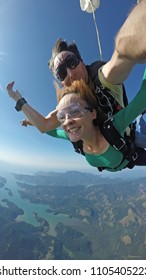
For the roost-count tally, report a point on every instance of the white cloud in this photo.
(42, 161)
(3, 53)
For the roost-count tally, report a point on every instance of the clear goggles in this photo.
(74, 110)
(71, 62)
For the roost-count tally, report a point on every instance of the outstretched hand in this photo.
(13, 94)
(26, 122)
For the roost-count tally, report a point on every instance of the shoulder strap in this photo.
(106, 101)
(113, 136)
(78, 146)
(127, 148)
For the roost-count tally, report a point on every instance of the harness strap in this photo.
(106, 101)
(113, 136)
(127, 148)
(78, 146)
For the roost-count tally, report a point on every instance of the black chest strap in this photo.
(113, 137)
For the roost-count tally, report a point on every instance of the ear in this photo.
(94, 114)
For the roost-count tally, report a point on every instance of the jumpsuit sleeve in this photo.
(124, 117)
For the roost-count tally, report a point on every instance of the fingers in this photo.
(13, 94)
(10, 85)
(24, 122)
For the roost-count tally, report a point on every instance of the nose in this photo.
(69, 72)
(68, 119)
(69, 77)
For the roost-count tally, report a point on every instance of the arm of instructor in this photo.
(130, 46)
(130, 41)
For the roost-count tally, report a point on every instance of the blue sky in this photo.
(28, 31)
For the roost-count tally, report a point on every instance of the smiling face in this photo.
(77, 118)
(76, 69)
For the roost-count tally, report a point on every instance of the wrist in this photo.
(20, 103)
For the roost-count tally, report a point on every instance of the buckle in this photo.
(121, 145)
(135, 156)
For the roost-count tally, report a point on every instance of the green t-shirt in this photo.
(112, 158)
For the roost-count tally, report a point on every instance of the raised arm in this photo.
(42, 123)
(130, 46)
(130, 41)
(117, 69)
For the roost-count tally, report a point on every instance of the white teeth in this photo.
(73, 130)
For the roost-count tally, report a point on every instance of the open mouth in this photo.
(73, 130)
